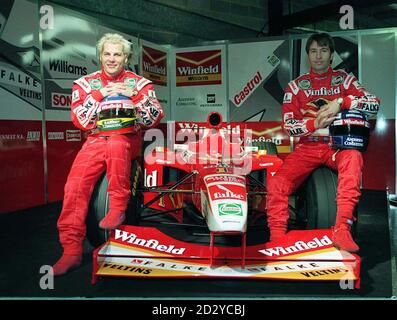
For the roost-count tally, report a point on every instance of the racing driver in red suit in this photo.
(310, 105)
(110, 146)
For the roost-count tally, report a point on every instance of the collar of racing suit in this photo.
(106, 77)
(322, 76)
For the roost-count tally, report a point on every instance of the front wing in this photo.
(146, 252)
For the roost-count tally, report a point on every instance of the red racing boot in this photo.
(66, 263)
(342, 238)
(112, 220)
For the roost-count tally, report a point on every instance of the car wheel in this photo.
(316, 199)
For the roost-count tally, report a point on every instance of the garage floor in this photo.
(29, 239)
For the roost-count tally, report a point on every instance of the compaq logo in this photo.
(129, 237)
(298, 246)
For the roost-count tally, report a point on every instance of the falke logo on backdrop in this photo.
(131, 238)
(66, 67)
(297, 247)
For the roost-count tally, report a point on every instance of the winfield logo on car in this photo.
(297, 247)
(131, 238)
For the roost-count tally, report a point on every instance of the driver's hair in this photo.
(117, 39)
(322, 39)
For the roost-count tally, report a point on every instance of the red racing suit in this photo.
(112, 152)
(303, 98)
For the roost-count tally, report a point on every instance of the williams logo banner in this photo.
(198, 68)
(154, 65)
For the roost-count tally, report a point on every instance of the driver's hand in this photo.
(117, 88)
(323, 120)
(122, 89)
(326, 115)
(330, 109)
(111, 89)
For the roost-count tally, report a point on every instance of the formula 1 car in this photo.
(198, 209)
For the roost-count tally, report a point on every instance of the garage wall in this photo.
(378, 74)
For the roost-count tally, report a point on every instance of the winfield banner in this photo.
(154, 65)
(198, 83)
(198, 68)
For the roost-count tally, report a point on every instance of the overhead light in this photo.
(393, 6)
(381, 124)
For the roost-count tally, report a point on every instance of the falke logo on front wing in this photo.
(297, 247)
(227, 194)
(131, 238)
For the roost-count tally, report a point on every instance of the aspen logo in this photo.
(60, 100)
(198, 68)
(234, 209)
(154, 65)
(73, 135)
(131, 238)
(248, 88)
(297, 247)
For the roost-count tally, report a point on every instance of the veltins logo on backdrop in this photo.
(154, 65)
(198, 68)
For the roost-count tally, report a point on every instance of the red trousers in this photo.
(113, 154)
(297, 167)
